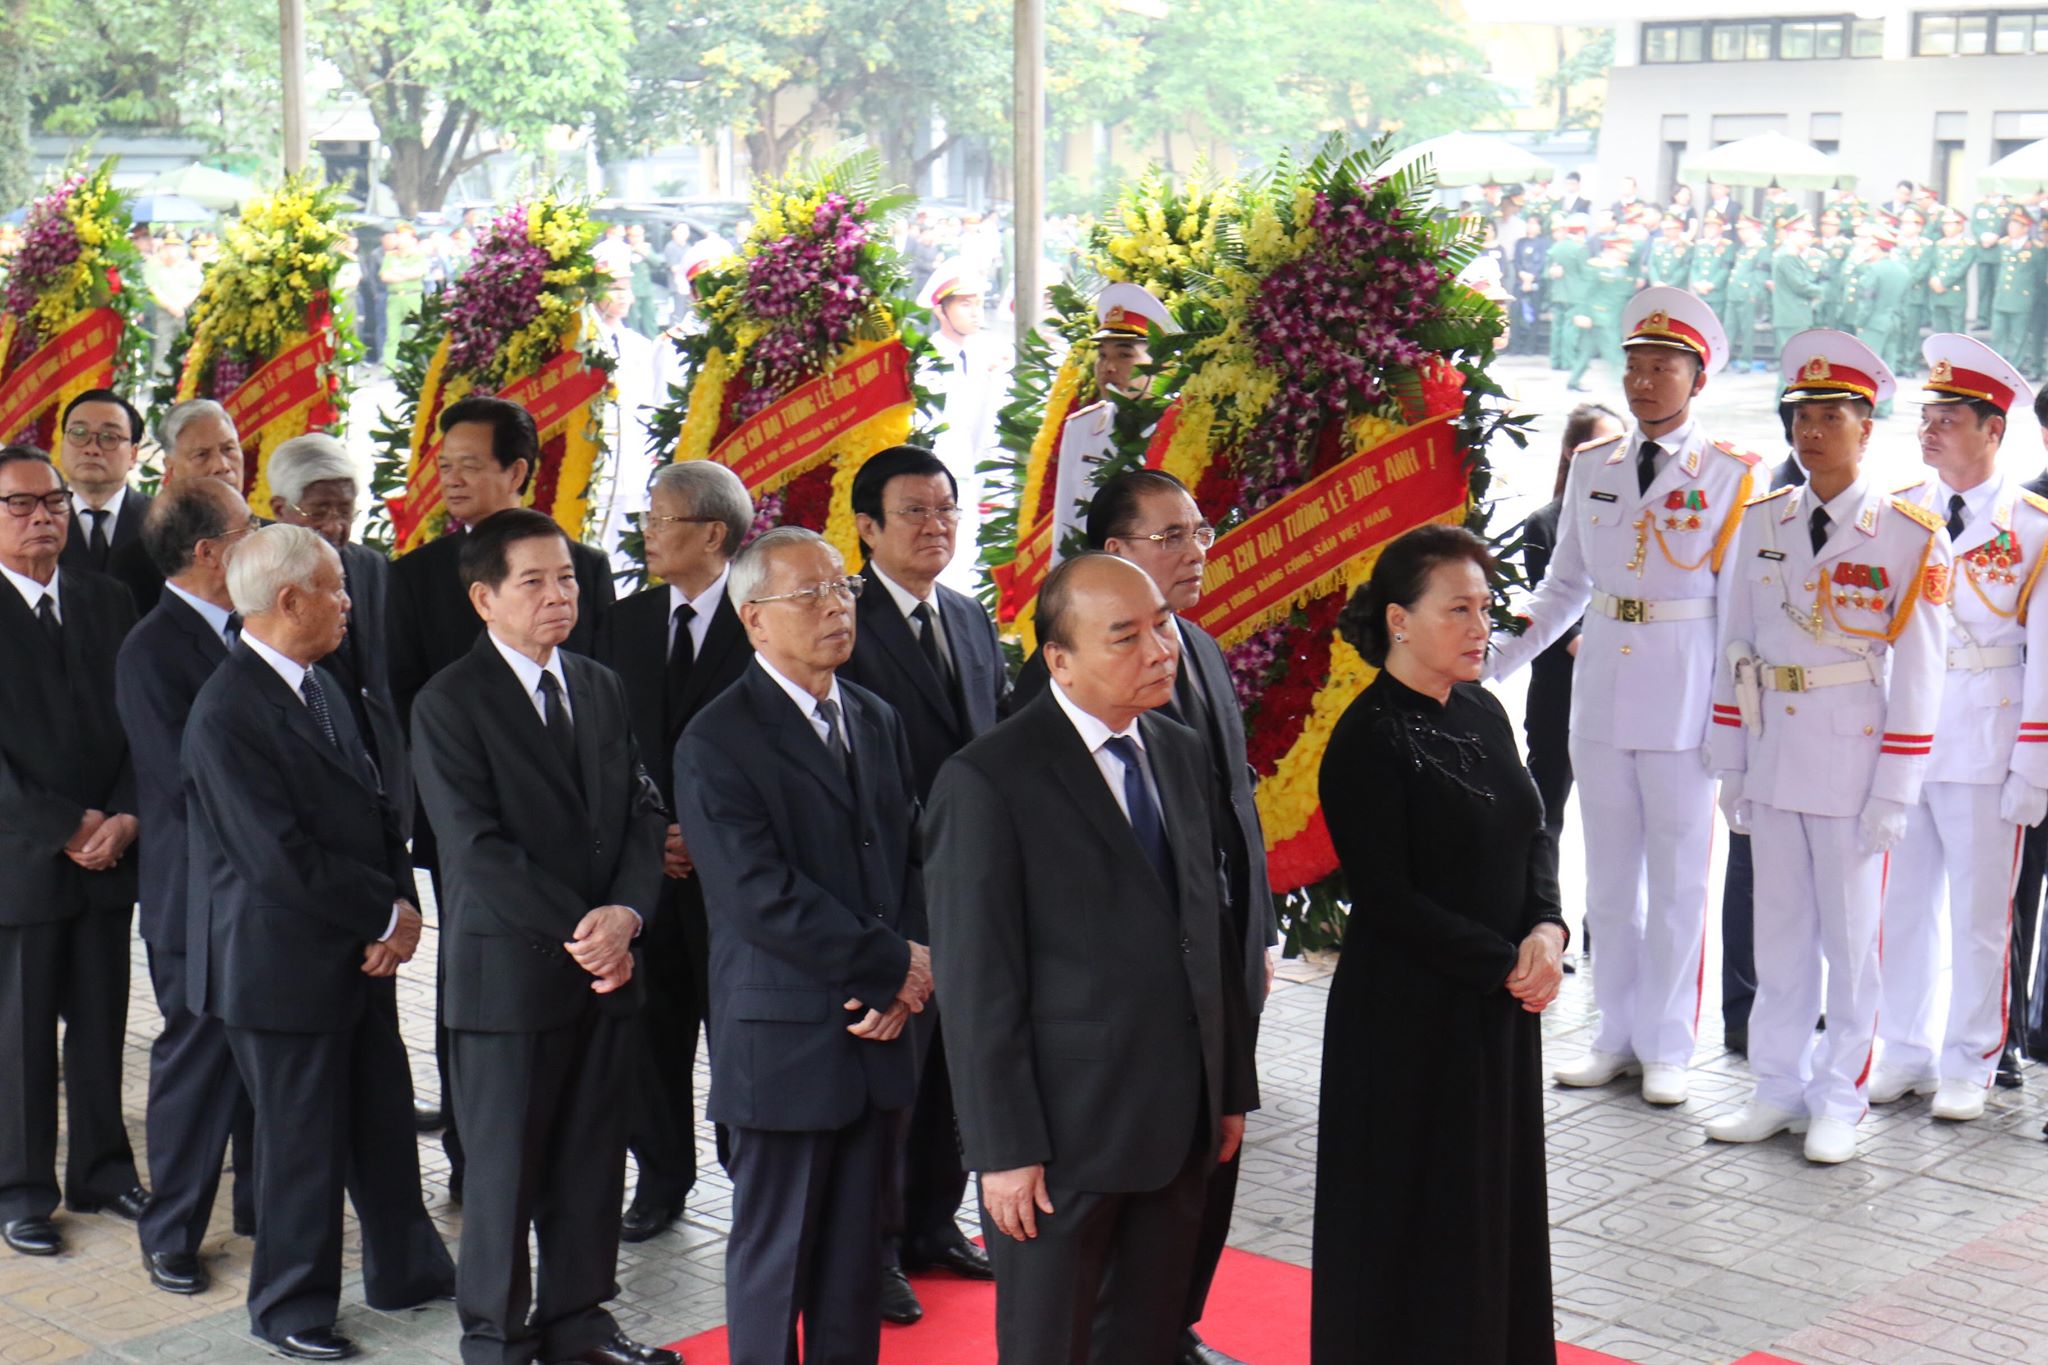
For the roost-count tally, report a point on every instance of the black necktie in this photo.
(835, 739)
(682, 656)
(46, 617)
(96, 539)
(1145, 819)
(316, 702)
(1955, 516)
(233, 632)
(561, 729)
(928, 642)
(1819, 532)
(1646, 465)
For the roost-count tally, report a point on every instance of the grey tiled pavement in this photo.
(1933, 1248)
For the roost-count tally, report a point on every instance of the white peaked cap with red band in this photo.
(1129, 311)
(1963, 369)
(951, 278)
(704, 253)
(1664, 316)
(1819, 364)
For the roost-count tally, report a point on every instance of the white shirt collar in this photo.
(1094, 732)
(1977, 502)
(706, 601)
(905, 601)
(112, 509)
(291, 670)
(528, 672)
(33, 592)
(1671, 442)
(1847, 504)
(805, 702)
(216, 617)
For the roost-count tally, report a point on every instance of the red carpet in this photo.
(1258, 1311)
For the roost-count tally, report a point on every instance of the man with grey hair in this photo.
(199, 442)
(676, 645)
(798, 803)
(196, 1100)
(308, 914)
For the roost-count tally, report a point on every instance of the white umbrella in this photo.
(2022, 172)
(1771, 159)
(204, 185)
(1472, 159)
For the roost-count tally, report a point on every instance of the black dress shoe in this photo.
(33, 1236)
(129, 1205)
(1195, 1351)
(315, 1343)
(244, 1224)
(1736, 1040)
(960, 1256)
(427, 1119)
(643, 1221)
(2009, 1077)
(899, 1300)
(176, 1272)
(623, 1350)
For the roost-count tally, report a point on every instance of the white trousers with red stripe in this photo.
(1818, 894)
(1648, 816)
(1955, 843)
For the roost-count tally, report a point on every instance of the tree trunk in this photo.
(17, 175)
(1564, 84)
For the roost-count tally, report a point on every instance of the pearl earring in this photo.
(1399, 638)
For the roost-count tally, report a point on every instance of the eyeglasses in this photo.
(326, 513)
(680, 521)
(57, 504)
(919, 516)
(105, 440)
(235, 533)
(1203, 535)
(816, 596)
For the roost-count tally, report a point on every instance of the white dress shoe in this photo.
(1665, 1084)
(1829, 1142)
(1888, 1085)
(1756, 1121)
(1598, 1068)
(1958, 1101)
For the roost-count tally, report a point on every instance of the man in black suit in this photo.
(300, 915)
(675, 646)
(551, 846)
(933, 655)
(1148, 518)
(798, 802)
(1571, 201)
(314, 483)
(199, 442)
(490, 449)
(67, 796)
(100, 431)
(196, 1100)
(1097, 1019)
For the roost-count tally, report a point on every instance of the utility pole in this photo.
(1028, 125)
(291, 28)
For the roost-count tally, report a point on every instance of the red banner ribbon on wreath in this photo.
(1297, 546)
(286, 381)
(81, 355)
(773, 444)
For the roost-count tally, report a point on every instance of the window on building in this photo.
(1866, 38)
(1761, 40)
(2005, 33)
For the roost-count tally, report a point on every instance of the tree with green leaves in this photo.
(1579, 67)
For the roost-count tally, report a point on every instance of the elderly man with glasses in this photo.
(67, 796)
(799, 804)
(100, 432)
(199, 442)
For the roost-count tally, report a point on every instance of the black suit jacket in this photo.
(1206, 702)
(61, 749)
(131, 565)
(813, 887)
(888, 662)
(525, 853)
(362, 664)
(632, 641)
(297, 856)
(1092, 1018)
(127, 531)
(163, 664)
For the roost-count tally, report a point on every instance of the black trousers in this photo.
(1106, 1279)
(198, 1110)
(334, 1114)
(661, 1109)
(931, 1178)
(2025, 1027)
(807, 1215)
(547, 1144)
(75, 970)
(1738, 935)
(1219, 1202)
(451, 1137)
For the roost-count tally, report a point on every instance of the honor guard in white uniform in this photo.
(1124, 317)
(1824, 709)
(1648, 517)
(1987, 778)
(973, 388)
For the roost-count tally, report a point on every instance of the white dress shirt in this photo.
(808, 704)
(1668, 445)
(215, 617)
(529, 674)
(33, 592)
(907, 603)
(1096, 736)
(705, 604)
(1976, 501)
(112, 507)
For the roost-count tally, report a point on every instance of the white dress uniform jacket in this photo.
(1084, 445)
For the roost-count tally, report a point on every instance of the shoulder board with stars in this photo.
(1748, 457)
(2034, 500)
(1918, 513)
(1762, 498)
(1905, 488)
(1591, 446)
(1098, 403)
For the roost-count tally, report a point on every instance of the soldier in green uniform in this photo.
(1670, 256)
(1987, 226)
(1948, 274)
(1713, 257)
(1610, 284)
(2019, 279)
(1832, 250)
(1779, 207)
(1749, 268)
(1915, 252)
(1566, 273)
(1796, 282)
(1882, 284)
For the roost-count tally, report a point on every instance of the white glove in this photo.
(1734, 809)
(2022, 803)
(1884, 824)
